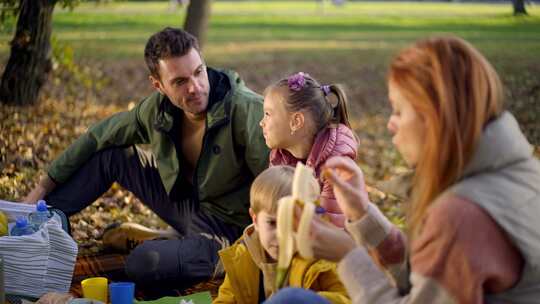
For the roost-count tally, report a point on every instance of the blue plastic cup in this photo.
(122, 292)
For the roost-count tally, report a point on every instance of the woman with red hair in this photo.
(473, 228)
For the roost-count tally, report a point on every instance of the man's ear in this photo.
(156, 84)
(297, 121)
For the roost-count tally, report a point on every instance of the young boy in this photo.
(250, 264)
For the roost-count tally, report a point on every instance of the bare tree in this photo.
(519, 7)
(198, 15)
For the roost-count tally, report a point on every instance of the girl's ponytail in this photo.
(340, 111)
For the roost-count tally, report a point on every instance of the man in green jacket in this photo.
(204, 148)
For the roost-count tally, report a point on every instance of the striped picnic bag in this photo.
(41, 262)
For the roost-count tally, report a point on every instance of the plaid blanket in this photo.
(112, 266)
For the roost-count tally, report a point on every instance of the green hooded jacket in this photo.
(233, 150)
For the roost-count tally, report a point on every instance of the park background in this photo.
(98, 69)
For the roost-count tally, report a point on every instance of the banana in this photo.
(305, 191)
(285, 237)
(3, 224)
(303, 239)
(305, 188)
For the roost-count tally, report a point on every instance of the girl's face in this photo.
(276, 123)
(406, 125)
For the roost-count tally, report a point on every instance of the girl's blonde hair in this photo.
(456, 92)
(314, 98)
(271, 185)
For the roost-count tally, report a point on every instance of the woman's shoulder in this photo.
(454, 211)
(460, 223)
(452, 205)
(459, 245)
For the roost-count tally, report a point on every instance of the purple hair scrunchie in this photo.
(296, 81)
(325, 89)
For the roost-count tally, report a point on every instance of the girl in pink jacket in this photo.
(302, 122)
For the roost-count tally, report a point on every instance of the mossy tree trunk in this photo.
(198, 15)
(30, 59)
(519, 7)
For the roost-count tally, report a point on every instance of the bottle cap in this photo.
(41, 205)
(21, 222)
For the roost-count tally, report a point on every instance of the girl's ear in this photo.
(297, 121)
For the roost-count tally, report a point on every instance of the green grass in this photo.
(352, 44)
(119, 30)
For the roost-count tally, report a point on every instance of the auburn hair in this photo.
(456, 91)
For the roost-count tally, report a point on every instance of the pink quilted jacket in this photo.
(333, 141)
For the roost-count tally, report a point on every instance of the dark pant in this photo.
(179, 262)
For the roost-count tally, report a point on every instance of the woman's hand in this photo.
(349, 187)
(330, 242)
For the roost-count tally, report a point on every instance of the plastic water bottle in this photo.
(21, 227)
(40, 216)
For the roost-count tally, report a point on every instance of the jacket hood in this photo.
(502, 143)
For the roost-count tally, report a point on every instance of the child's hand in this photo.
(349, 187)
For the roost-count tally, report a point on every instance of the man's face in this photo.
(185, 82)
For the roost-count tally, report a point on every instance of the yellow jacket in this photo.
(241, 284)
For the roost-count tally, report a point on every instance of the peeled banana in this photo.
(305, 191)
(3, 224)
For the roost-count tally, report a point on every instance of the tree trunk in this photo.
(30, 60)
(519, 7)
(198, 14)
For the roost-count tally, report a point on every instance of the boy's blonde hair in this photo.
(271, 185)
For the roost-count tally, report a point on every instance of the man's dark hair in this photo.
(169, 42)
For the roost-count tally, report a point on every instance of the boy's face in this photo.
(265, 225)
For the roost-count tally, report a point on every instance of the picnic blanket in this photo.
(111, 266)
(196, 298)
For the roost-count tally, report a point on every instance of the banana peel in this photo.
(305, 187)
(285, 238)
(305, 192)
(3, 224)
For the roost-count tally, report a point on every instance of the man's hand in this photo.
(44, 186)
